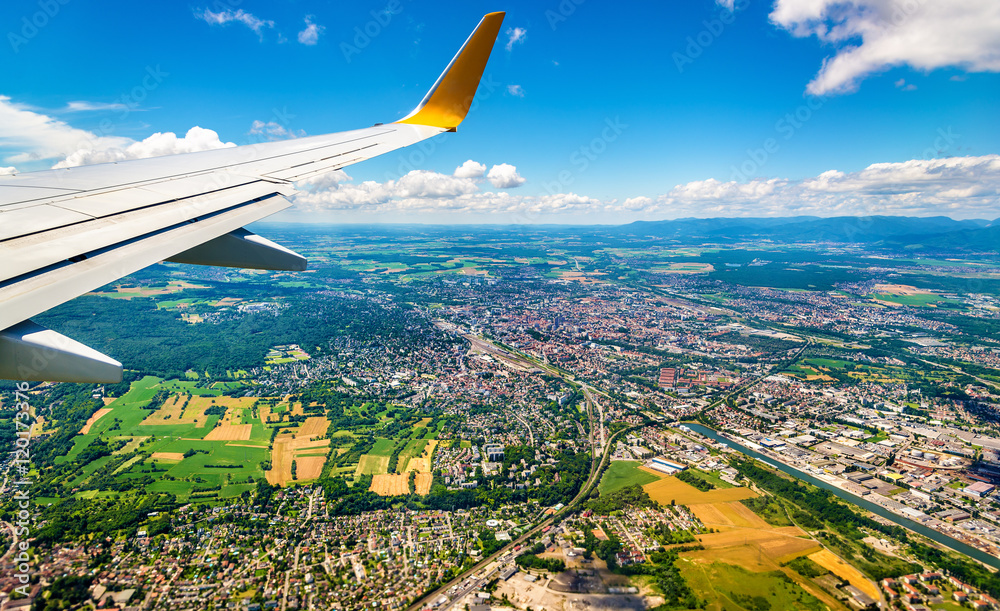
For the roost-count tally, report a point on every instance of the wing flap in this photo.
(36, 251)
(29, 294)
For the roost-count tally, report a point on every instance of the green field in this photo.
(622, 473)
(728, 587)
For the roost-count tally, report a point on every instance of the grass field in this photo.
(622, 473)
(728, 587)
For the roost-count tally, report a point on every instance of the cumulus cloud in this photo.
(272, 130)
(160, 143)
(310, 35)
(505, 176)
(515, 36)
(871, 36)
(38, 137)
(470, 169)
(515, 90)
(227, 16)
(8, 171)
(962, 187)
(902, 84)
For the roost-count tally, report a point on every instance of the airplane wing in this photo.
(69, 231)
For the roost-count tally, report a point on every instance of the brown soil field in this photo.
(829, 561)
(390, 484)
(94, 418)
(168, 456)
(672, 489)
(755, 550)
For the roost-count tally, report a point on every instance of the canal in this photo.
(916, 527)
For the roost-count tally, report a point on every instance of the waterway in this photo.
(916, 527)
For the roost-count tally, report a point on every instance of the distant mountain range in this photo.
(881, 232)
(889, 231)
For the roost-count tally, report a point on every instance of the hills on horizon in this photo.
(891, 232)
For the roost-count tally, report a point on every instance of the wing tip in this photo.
(448, 101)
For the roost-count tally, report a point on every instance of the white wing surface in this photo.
(69, 231)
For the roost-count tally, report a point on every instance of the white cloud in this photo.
(80, 106)
(226, 16)
(515, 36)
(160, 143)
(470, 169)
(505, 176)
(729, 4)
(30, 136)
(901, 84)
(871, 36)
(272, 130)
(515, 90)
(7, 171)
(961, 187)
(310, 35)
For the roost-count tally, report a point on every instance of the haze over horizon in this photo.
(585, 116)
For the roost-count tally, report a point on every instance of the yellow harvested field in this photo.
(94, 418)
(829, 561)
(173, 410)
(229, 432)
(423, 483)
(672, 489)
(727, 514)
(900, 289)
(299, 444)
(390, 484)
(309, 467)
(168, 456)
(422, 464)
(314, 426)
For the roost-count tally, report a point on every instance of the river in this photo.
(916, 527)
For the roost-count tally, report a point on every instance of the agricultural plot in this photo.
(727, 515)
(306, 446)
(624, 473)
(671, 489)
(829, 561)
(390, 484)
(90, 421)
(728, 587)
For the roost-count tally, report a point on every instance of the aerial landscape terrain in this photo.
(611, 417)
(474, 306)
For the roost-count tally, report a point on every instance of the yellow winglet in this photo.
(448, 101)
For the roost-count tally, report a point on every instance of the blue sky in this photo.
(606, 113)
